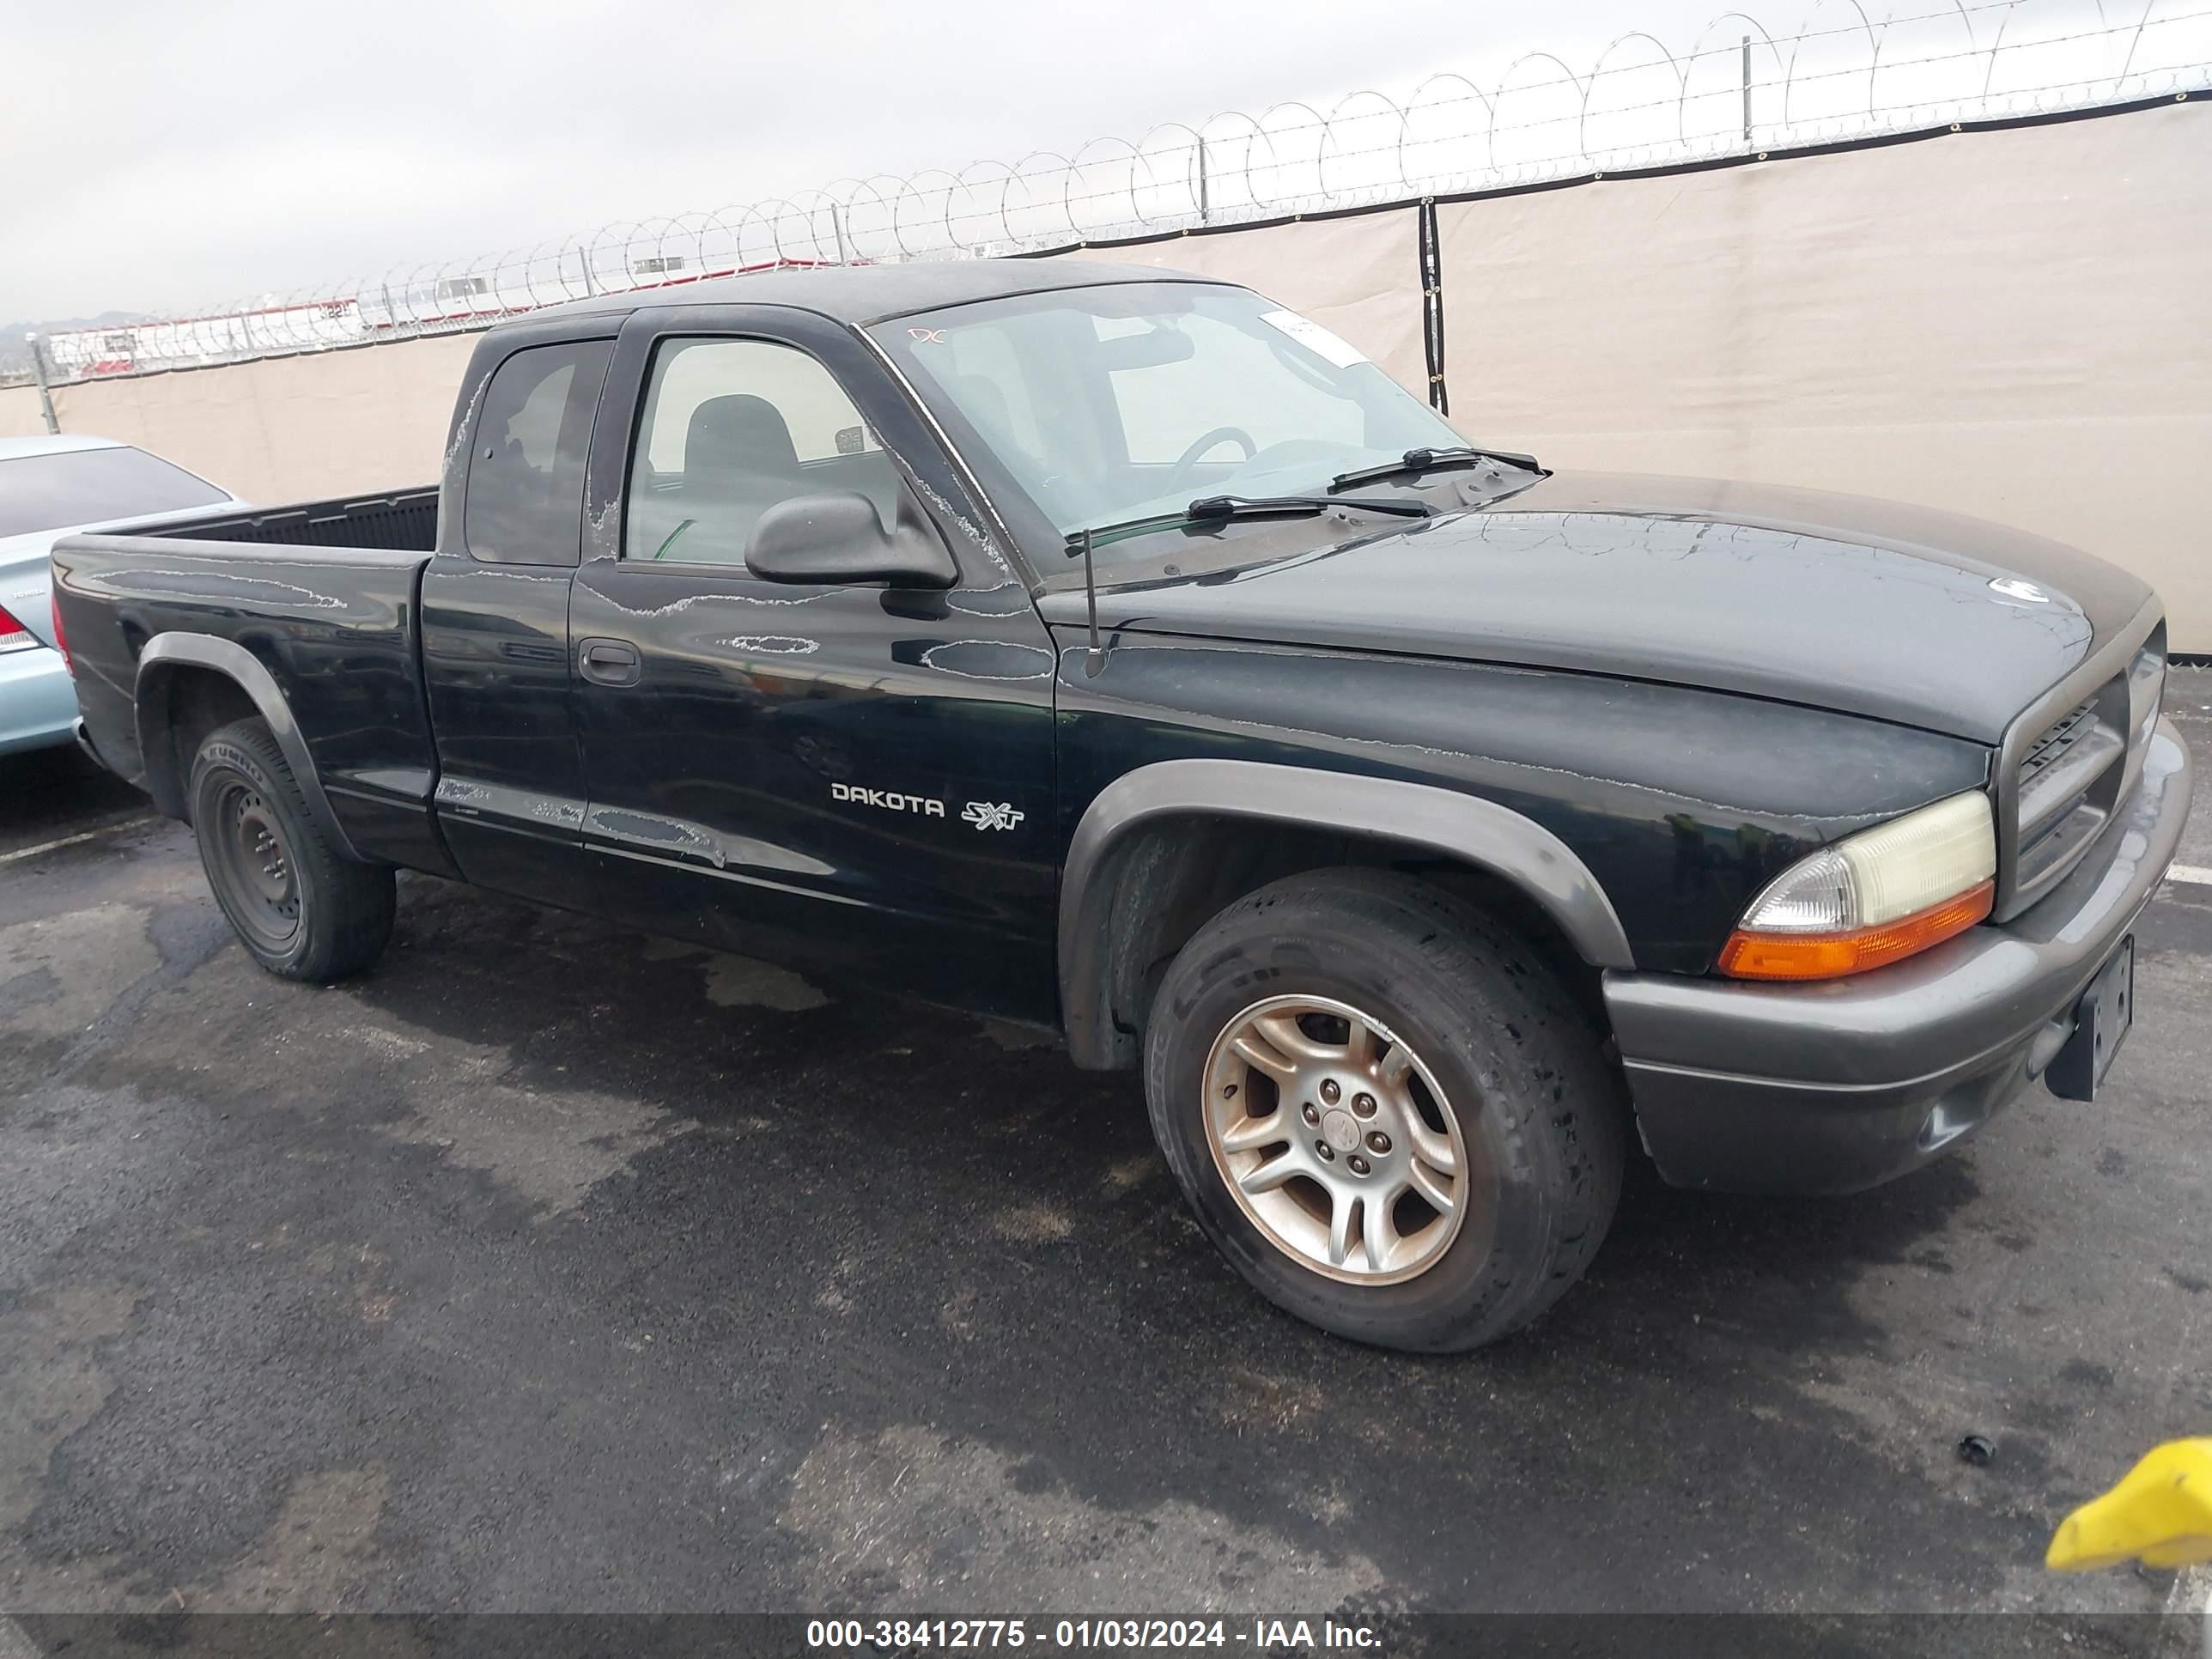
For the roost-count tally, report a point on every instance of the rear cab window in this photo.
(524, 503)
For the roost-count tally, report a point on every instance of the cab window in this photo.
(525, 495)
(730, 427)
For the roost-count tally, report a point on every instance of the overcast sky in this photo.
(161, 157)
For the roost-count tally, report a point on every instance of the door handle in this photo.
(608, 662)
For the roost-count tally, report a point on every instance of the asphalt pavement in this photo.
(551, 1267)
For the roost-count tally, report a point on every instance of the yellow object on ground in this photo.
(2160, 1514)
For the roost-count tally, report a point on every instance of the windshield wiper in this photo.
(1220, 509)
(1431, 460)
(1213, 509)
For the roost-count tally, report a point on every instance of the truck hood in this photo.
(1867, 607)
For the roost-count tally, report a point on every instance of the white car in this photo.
(51, 488)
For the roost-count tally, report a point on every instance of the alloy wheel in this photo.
(1336, 1141)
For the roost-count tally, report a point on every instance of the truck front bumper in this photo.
(1834, 1087)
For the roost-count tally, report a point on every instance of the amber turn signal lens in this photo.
(1831, 956)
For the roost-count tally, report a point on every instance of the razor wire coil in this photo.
(1738, 90)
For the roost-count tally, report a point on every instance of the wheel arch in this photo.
(1126, 886)
(173, 660)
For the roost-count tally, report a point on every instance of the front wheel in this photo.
(1384, 1110)
(304, 910)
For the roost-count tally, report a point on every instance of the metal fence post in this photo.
(1428, 237)
(1747, 92)
(45, 395)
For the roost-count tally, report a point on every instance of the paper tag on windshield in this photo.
(1315, 339)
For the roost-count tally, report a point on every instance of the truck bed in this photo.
(404, 521)
(312, 608)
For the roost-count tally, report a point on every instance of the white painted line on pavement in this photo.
(2195, 873)
(14, 1644)
(118, 823)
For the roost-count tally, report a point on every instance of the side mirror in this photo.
(837, 537)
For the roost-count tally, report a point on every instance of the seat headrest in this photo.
(738, 432)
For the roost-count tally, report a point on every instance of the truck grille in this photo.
(2070, 778)
(2052, 747)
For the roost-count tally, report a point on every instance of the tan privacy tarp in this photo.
(1358, 276)
(19, 412)
(2009, 324)
(2016, 324)
(289, 429)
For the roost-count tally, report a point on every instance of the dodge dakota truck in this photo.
(1118, 652)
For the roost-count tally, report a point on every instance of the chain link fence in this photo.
(1738, 89)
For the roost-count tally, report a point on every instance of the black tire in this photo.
(304, 910)
(1544, 1118)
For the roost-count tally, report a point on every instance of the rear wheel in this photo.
(302, 909)
(1386, 1112)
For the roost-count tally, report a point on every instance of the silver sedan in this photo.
(51, 488)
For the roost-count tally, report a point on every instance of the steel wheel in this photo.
(249, 843)
(1336, 1141)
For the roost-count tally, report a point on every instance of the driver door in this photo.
(851, 777)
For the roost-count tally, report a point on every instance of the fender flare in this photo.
(1418, 816)
(165, 654)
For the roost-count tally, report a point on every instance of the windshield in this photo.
(1118, 402)
(94, 486)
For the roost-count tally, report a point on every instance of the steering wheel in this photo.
(1190, 458)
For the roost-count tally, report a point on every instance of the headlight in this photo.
(1873, 897)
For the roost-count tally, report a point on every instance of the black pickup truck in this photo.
(1117, 652)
